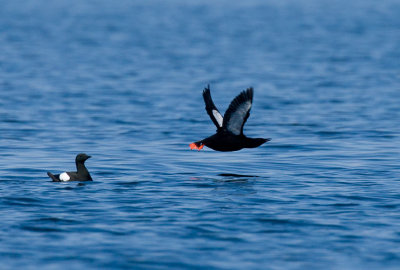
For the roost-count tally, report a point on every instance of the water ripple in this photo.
(122, 82)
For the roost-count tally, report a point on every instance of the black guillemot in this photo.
(229, 136)
(81, 174)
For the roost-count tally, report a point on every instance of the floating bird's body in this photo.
(229, 136)
(81, 174)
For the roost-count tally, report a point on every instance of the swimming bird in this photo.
(229, 136)
(81, 174)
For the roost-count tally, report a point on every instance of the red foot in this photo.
(194, 146)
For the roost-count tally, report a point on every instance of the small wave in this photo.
(40, 228)
(236, 175)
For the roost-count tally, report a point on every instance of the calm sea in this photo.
(122, 81)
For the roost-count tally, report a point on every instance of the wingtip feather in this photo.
(249, 92)
(207, 89)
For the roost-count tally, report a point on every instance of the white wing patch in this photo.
(236, 120)
(64, 176)
(218, 117)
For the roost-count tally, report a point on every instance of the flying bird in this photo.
(229, 136)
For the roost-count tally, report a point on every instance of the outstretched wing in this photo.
(212, 111)
(239, 110)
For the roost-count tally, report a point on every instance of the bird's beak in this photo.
(89, 157)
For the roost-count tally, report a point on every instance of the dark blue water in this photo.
(122, 81)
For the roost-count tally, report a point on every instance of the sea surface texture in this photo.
(122, 81)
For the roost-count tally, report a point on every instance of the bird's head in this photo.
(82, 157)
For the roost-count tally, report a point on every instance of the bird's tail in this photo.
(53, 177)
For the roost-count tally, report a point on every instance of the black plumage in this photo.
(81, 174)
(229, 135)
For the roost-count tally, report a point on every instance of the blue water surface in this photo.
(122, 81)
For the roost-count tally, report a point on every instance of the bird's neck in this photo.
(81, 169)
